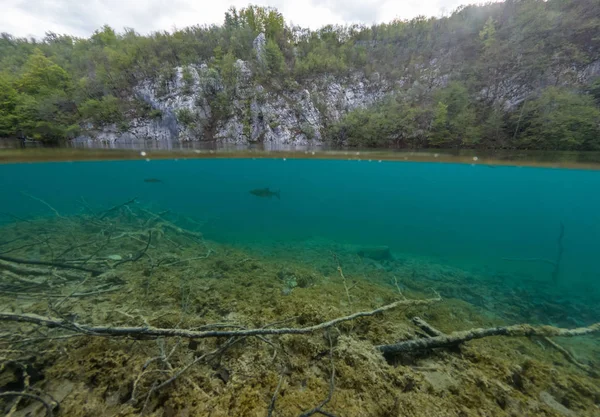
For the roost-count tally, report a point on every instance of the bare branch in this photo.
(48, 407)
(569, 356)
(457, 338)
(319, 409)
(110, 210)
(54, 264)
(44, 203)
(427, 328)
(274, 398)
(140, 254)
(152, 332)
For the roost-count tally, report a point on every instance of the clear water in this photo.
(469, 216)
(488, 238)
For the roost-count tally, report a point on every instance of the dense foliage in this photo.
(500, 75)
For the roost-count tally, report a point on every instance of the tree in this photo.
(594, 90)
(454, 121)
(104, 111)
(229, 71)
(8, 103)
(274, 58)
(497, 54)
(42, 76)
(560, 119)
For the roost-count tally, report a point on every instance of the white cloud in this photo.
(81, 17)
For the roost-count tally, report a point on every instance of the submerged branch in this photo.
(110, 210)
(56, 213)
(319, 409)
(569, 356)
(140, 254)
(47, 406)
(54, 264)
(457, 338)
(153, 332)
(427, 328)
(541, 260)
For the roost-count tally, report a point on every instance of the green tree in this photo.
(594, 90)
(42, 76)
(229, 71)
(560, 119)
(454, 121)
(274, 58)
(8, 103)
(104, 111)
(488, 34)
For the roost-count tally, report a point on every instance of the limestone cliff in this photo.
(258, 111)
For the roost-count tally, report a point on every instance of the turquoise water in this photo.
(204, 246)
(466, 216)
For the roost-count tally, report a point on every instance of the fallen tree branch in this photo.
(54, 264)
(165, 224)
(427, 328)
(271, 408)
(48, 407)
(24, 246)
(10, 241)
(77, 294)
(139, 255)
(152, 332)
(569, 356)
(20, 269)
(319, 409)
(44, 203)
(541, 260)
(457, 338)
(110, 210)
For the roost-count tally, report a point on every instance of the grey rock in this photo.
(294, 116)
(259, 44)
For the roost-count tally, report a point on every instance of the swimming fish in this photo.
(265, 192)
(152, 180)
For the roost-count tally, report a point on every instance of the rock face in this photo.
(256, 114)
(259, 46)
(188, 108)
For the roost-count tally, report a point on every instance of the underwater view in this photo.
(295, 287)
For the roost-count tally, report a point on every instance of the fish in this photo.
(265, 192)
(152, 180)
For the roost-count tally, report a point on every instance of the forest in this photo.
(520, 74)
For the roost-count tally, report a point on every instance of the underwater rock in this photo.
(551, 402)
(376, 253)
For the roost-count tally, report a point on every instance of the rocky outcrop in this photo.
(256, 113)
(190, 105)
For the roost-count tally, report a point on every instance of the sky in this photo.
(25, 18)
